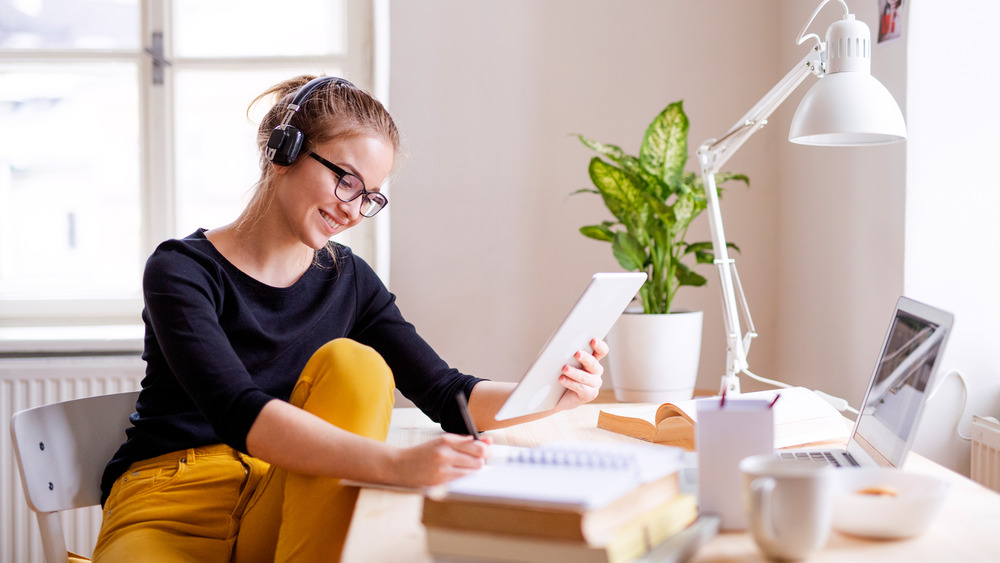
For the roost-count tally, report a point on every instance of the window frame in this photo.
(364, 62)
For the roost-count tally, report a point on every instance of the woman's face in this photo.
(307, 198)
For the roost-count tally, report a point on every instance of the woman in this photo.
(272, 355)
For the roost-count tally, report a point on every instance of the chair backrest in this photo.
(61, 451)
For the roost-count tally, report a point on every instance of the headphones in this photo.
(285, 141)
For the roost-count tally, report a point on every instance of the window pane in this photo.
(69, 24)
(258, 28)
(69, 179)
(215, 152)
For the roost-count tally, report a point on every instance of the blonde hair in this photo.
(336, 109)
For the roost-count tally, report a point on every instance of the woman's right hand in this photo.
(440, 460)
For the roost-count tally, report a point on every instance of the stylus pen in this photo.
(463, 406)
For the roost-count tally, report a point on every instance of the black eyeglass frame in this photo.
(369, 198)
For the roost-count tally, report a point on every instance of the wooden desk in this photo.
(386, 525)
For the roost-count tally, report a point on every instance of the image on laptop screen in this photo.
(903, 375)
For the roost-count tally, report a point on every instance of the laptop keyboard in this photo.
(820, 457)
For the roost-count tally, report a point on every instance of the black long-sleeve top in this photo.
(220, 344)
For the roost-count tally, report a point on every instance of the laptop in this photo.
(905, 374)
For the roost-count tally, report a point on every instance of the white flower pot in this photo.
(654, 358)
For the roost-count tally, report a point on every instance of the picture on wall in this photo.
(890, 20)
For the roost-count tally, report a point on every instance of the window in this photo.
(125, 123)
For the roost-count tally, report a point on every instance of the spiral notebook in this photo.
(568, 475)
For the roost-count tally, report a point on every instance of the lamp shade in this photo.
(848, 106)
(846, 109)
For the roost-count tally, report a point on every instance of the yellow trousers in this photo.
(215, 504)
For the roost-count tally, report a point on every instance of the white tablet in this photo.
(595, 312)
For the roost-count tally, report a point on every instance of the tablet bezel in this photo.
(592, 316)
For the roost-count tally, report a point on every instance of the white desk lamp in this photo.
(847, 107)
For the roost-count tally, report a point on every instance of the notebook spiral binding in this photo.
(573, 458)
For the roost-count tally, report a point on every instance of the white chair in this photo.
(61, 450)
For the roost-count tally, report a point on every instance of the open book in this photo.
(800, 417)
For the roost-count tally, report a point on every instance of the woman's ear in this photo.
(279, 169)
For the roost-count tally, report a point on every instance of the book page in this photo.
(800, 416)
(575, 475)
(644, 412)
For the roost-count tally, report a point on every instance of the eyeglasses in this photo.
(350, 187)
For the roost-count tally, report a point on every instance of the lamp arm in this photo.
(718, 151)
(712, 154)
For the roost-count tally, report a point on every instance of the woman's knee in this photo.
(348, 350)
(344, 370)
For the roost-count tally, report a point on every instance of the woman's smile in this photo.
(330, 221)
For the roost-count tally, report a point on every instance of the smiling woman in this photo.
(266, 340)
(328, 115)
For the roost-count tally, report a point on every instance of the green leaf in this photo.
(692, 278)
(705, 251)
(665, 212)
(664, 147)
(687, 276)
(723, 177)
(612, 152)
(684, 211)
(629, 253)
(620, 190)
(598, 232)
(697, 247)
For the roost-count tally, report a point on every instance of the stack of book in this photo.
(565, 502)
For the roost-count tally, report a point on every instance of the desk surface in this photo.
(386, 525)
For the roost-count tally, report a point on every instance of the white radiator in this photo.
(34, 381)
(985, 467)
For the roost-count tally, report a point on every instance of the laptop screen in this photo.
(904, 375)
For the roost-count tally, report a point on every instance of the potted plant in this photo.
(654, 202)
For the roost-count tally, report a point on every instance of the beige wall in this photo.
(486, 257)
(840, 243)
(485, 253)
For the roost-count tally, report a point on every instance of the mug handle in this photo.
(760, 507)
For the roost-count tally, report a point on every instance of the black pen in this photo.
(463, 407)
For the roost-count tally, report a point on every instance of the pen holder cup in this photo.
(725, 433)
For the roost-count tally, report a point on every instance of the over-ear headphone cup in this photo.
(286, 142)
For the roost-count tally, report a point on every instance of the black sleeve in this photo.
(184, 297)
(421, 375)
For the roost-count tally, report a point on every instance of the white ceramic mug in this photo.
(789, 504)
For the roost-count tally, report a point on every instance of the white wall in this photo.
(486, 257)
(951, 207)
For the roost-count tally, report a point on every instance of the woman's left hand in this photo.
(584, 383)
